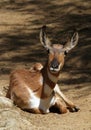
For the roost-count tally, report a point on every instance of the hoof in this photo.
(74, 109)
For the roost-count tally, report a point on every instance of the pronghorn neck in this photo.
(50, 80)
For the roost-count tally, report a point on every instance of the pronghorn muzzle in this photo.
(54, 65)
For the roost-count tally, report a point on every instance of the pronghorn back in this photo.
(26, 78)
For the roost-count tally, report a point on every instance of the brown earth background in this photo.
(20, 23)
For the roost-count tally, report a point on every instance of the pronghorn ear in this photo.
(72, 43)
(44, 39)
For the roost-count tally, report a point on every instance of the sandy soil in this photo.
(20, 22)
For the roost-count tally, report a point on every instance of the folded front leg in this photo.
(58, 106)
(70, 105)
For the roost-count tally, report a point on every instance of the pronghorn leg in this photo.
(58, 106)
(70, 105)
(62, 109)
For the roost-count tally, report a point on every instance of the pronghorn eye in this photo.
(65, 53)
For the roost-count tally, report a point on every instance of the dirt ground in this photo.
(20, 23)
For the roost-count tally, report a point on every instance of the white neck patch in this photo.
(53, 78)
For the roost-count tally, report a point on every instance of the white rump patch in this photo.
(41, 80)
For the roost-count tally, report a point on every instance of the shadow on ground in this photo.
(19, 38)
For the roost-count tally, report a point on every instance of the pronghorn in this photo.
(36, 90)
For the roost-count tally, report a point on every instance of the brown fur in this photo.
(35, 79)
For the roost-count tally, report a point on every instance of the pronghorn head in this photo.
(57, 51)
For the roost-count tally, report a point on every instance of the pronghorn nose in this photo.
(54, 63)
